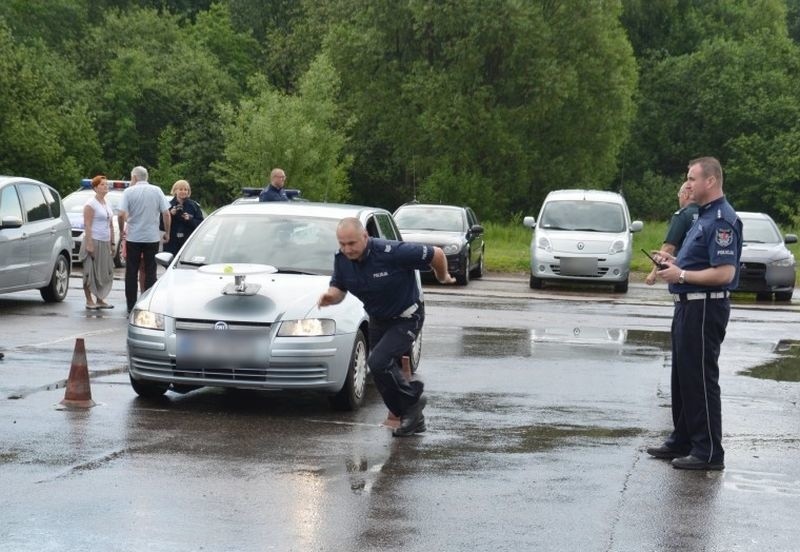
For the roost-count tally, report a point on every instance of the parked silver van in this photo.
(35, 239)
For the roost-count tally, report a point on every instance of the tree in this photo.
(45, 126)
(300, 133)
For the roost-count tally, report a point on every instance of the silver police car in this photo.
(237, 306)
(767, 267)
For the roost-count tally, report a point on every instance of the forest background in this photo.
(491, 103)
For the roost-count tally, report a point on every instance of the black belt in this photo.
(698, 295)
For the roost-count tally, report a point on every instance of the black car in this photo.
(455, 229)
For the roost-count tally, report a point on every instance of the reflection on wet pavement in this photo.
(785, 367)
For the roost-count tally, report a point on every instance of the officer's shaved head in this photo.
(352, 237)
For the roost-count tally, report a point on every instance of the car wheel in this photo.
(783, 296)
(119, 260)
(478, 272)
(536, 283)
(415, 354)
(463, 278)
(56, 290)
(148, 389)
(621, 287)
(763, 296)
(352, 393)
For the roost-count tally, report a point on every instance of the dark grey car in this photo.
(35, 239)
(455, 229)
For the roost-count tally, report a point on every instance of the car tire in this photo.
(783, 296)
(536, 283)
(56, 290)
(621, 287)
(415, 354)
(478, 272)
(463, 278)
(763, 297)
(351, 396)
(148, 389)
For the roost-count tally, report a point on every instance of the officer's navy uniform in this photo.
(273, 193)
(180, 229)
(385, 281)
(698, 329)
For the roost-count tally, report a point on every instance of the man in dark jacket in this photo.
(274, 191)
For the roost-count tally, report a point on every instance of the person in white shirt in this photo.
(97, 248)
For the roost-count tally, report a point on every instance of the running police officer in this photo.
(381, 273)
(700, 279)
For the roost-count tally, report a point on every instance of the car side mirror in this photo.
(529, 221)
(790, 238)
(476, 229)
(10, 222)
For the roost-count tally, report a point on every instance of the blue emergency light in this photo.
(86, 184)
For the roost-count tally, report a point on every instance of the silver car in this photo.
(237, 306)
(582, 236)
(35, 239)
(767, 267)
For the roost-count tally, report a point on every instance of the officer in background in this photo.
(679, 225)
(700, 279)
(274, 191)
(381, 273)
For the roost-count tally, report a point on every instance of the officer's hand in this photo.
(447, 279)
(651, 278)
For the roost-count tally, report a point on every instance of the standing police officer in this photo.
(700, 279)
(381, 273)
(274, 190)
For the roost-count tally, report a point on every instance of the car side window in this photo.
(387, 228)
(34, 202)
(53, 201)
(372, 228)
(9, 203)
(471, 218)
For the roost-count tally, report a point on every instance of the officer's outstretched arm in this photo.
(333, 296)
(439, 266)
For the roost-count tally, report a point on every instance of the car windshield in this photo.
(588, 216)
(760, 231)
(75, 201)
(290, 244)
(429, 218)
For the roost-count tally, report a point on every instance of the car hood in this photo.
(763, 252)
(437, 237)
(75, 219)
(188, 293)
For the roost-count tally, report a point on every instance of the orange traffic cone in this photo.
(392, 421)
(78, 393)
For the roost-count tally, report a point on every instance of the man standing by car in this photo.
(139, 208)
(700, 279)
(274, 191)
(381, 273)
(681, 221)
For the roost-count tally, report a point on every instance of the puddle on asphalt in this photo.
(504, 342)
(785, 367)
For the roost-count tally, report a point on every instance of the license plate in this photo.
(578, 266)
(221, 347)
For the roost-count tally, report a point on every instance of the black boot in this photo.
(412, 421)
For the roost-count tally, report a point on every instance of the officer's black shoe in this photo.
(665, 452)
(412, 421)
(694, 463)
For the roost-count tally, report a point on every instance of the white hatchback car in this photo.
(582, 236)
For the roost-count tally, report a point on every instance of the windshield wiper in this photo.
(294, 271)
(192, 263)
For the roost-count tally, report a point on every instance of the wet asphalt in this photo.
(540, 407)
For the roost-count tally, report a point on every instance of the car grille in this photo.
(601, 271)
(276, 374)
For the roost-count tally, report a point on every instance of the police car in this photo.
(74, 203)
(237, 307)
(250, 195)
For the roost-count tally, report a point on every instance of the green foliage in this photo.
(45, 124)
(298, 133)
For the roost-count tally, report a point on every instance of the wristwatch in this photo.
(682, 277)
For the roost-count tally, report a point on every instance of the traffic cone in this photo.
(392, 421)
(78, 393)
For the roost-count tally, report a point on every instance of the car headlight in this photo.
(788, 261)
(451, 248)
(544, 243)
(147, 319)
(618, 246)
(308, 327)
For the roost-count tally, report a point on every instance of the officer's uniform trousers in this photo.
(390, 339)
(698, 329)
